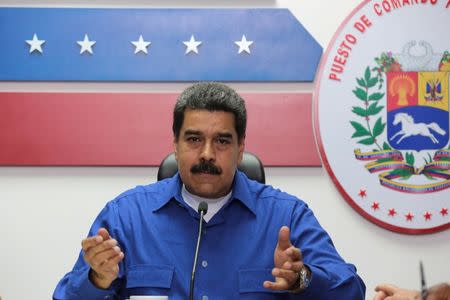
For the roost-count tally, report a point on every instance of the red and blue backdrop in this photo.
(103, 128)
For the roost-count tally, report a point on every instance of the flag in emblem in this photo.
(417, 110)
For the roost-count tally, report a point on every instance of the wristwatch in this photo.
(304, 278)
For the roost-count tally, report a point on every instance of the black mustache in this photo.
(206, 167)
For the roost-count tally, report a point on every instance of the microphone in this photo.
(202, 210)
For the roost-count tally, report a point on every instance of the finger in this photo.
(394, 297)
(114, 261)
(380, 296)
(288, 275)
(91, 242)
(295, 266)
(104, 257)
(109, 269)
(279, 285)
(388, 289)
(283, 238)
(294, 253)
(93, 251)
(104, 234)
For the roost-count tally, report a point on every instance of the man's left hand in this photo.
(288, 262)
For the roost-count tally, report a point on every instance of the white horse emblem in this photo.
(409, 128)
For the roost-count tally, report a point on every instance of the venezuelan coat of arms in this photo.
(382, 114)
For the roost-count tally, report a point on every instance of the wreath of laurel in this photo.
(370, 129)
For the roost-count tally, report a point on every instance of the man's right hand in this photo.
(103, 255)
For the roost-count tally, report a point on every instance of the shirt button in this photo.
(205, 298)
(204, 265)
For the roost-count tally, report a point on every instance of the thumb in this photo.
(388, 289)
(380, 296)
(104, 234)
(283, 238)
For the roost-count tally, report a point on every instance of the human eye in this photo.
(193, 139)
(223, 141)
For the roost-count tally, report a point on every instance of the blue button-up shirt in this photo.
(157, 231)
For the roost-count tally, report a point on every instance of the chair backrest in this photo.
(250, 165)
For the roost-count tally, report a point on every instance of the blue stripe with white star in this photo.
(68, 44)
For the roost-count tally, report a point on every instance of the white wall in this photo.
(45, 212)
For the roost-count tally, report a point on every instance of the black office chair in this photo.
(250, 165)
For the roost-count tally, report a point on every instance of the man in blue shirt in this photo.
(257, 242)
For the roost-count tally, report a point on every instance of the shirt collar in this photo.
(241, 191)
(172, 190)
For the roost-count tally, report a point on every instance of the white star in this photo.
(86, 45)
(192, 45)
(244, 45)
(141, 45)
(35, 44)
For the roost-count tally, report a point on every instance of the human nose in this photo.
(208, 152)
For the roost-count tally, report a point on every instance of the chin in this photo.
(206, 192)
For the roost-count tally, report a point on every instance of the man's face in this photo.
(208, 152)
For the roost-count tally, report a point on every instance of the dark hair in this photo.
(212, 96)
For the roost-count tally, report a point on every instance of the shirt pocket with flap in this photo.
(149, 279)
(251, 281)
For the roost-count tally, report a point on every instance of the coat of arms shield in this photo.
(417, 110)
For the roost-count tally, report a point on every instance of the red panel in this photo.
(118, 129)
(280, 129)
